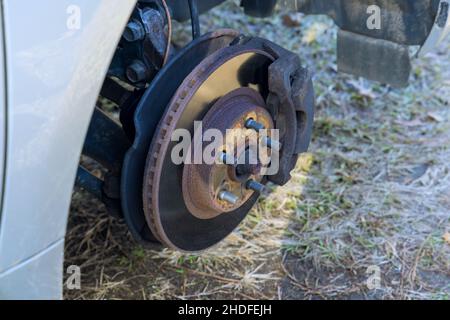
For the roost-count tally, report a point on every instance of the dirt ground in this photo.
(373, 194)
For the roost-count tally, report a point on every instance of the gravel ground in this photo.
(373, 194)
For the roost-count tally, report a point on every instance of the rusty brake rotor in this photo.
(212, 189)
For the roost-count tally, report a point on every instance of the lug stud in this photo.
(252, 124)
(255, 186)
(228, 197)
(272, 144)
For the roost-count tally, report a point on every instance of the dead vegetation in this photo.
(373, 191)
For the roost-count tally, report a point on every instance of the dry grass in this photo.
(373, 191)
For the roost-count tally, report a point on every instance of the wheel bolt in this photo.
(137, 71)
(228, 197)
(272, 144)
(255, 186)
(252, 124)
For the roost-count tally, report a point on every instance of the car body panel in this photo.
(55, 68)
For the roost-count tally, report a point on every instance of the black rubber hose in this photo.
(195, 19)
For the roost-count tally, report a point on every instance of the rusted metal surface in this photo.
(402, 21)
